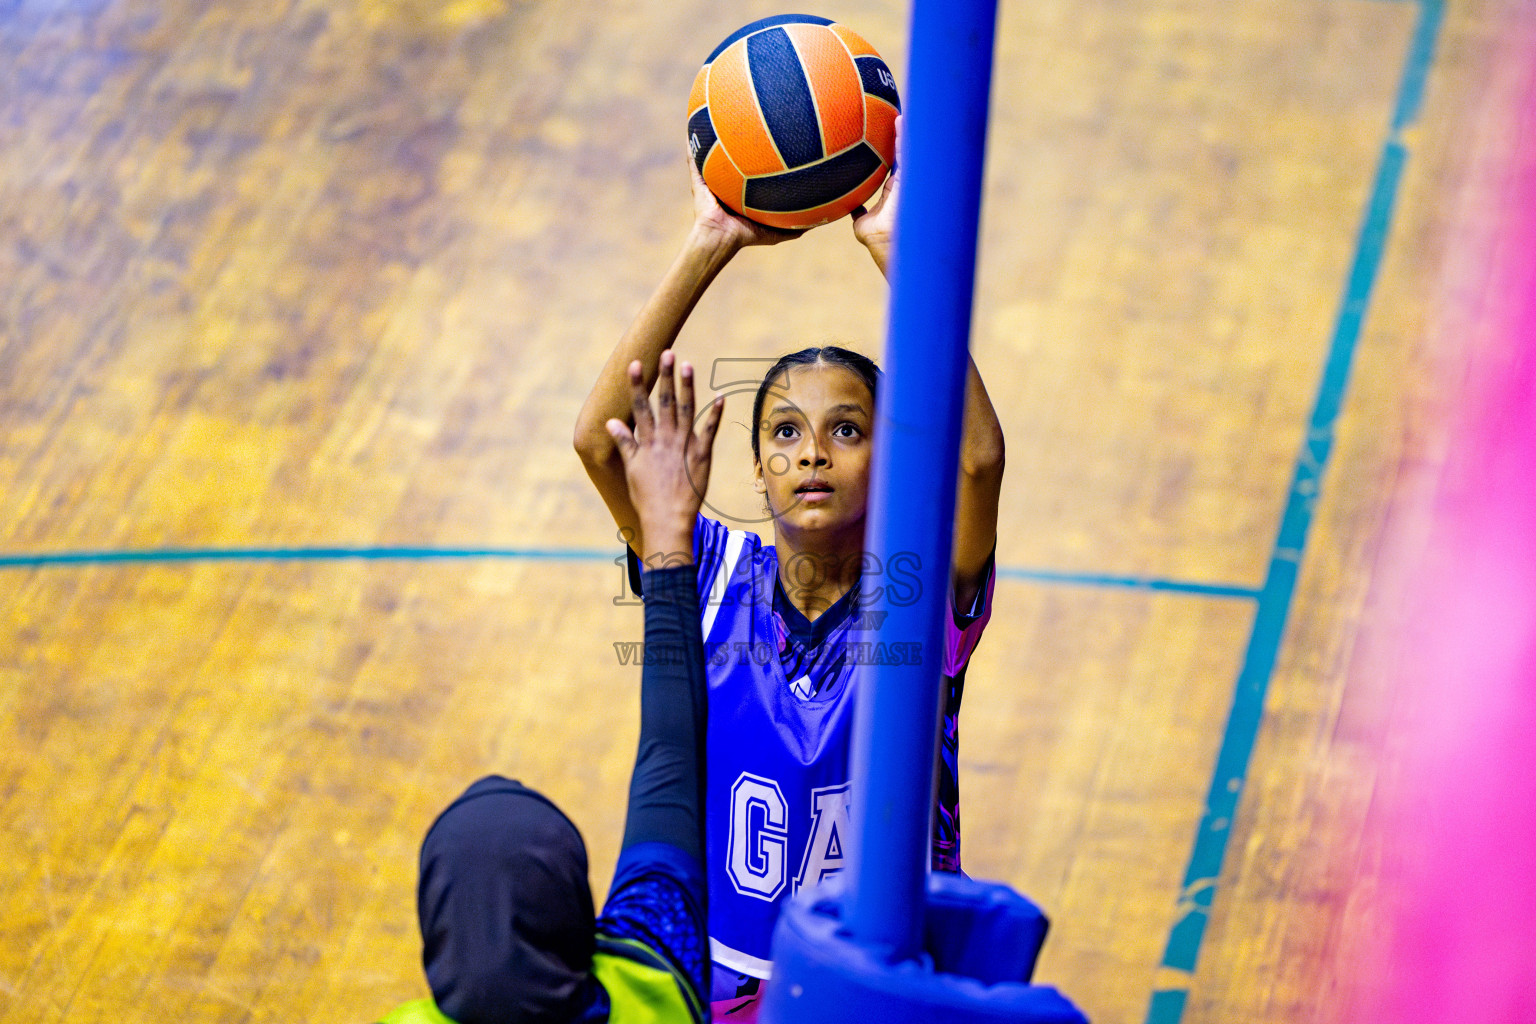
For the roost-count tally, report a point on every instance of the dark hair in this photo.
(862, 365)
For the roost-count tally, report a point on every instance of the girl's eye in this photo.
(846, 430)
(784, 430)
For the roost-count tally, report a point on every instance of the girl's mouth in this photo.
(814, 490)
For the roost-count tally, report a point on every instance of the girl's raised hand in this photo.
(666, 464)
(875, 226)
(711, 217)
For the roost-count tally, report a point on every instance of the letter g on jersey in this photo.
(759, 835)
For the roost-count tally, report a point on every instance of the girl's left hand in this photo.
(875, 226)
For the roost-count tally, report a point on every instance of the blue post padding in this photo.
(982, 930)
(821, 974)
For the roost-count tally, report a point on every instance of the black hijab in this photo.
(506, 909)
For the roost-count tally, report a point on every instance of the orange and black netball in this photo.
(792, 121)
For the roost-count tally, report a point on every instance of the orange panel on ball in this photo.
(738, 121)
(881, 130)
(723, 179)
(855, 42)
(835, 84)
(696, 94)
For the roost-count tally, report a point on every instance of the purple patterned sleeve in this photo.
(962, 632)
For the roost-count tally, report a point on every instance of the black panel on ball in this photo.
(784, 96)
(815, 186)
(878, 80)
(758, 26)
(701, 136)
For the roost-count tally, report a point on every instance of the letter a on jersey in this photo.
(831, 821)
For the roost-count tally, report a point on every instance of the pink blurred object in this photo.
(1463, 943)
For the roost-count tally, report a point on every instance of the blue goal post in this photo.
(884, 941)
(919, 420)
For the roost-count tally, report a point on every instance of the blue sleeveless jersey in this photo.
(778, 750)
(778, 786)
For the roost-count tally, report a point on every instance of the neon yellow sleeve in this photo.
(420, 1011)
(642, 994)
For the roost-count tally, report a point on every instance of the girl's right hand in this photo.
(718, 224)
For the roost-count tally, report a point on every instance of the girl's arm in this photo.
(981, 484)
(981, 449)
(716, 236)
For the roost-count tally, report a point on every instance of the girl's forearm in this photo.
(880, 252)
(653, 331)
(981, 447)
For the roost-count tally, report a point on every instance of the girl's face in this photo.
(814, 448)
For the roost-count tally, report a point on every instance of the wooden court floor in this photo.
(299, 300)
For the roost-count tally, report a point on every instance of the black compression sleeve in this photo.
(666, 792)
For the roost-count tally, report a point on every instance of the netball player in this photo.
(781, 623)
(503, 900)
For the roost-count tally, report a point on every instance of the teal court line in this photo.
(46, 559)
(1129, 582)
(1203, 874)
(174, 555)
